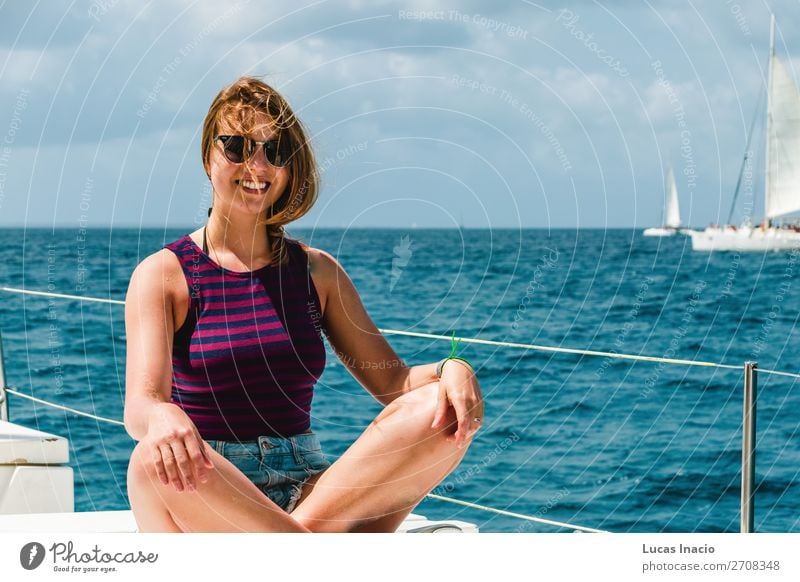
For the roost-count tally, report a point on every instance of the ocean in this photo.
(605, 443)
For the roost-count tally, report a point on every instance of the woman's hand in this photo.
(177, 449)
(458, 387)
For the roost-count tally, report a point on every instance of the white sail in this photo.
(783, 141)
(782, 187)
(673, 211)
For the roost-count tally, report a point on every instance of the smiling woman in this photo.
(225, 347)
(246, 119)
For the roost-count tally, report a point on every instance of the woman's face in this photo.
(252, 186)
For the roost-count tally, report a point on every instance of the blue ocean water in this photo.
(610, 444)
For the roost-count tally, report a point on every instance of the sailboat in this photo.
(672, 211)
(782, 181)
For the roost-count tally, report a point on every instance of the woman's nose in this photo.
(259, 160)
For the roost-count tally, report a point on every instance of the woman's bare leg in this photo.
(372, 487)
(385, 473)
(228, 502)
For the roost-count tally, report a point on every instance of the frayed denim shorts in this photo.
(279, 466)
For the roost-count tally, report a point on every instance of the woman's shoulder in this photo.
(320, 263)
(159, 272)
(325, 271)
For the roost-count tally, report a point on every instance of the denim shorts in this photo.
(279, 466)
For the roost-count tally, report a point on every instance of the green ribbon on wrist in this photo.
(452, 356)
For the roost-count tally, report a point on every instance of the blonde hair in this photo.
(238, 104)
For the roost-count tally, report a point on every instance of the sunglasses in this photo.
(238, 148)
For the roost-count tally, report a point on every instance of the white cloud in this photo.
(664, 98)
(587, 91)
(31, 67)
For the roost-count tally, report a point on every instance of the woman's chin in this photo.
(256, 208)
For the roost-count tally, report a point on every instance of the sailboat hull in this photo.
(660, 231)
(745, 239)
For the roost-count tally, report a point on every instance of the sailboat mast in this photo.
(747, 156)
(769, 111)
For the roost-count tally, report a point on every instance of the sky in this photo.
(509, 114)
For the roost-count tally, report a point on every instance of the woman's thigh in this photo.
(376, 483)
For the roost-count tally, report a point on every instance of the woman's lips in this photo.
(254, 187)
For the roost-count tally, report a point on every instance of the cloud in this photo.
(31, 67)
(509, 80)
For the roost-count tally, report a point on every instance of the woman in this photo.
(224, 348)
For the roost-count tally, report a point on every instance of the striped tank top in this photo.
(250, 351)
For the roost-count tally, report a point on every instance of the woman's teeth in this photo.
(254, 185)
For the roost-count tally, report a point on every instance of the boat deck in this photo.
(123, 522)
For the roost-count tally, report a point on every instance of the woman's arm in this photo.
(355, 338)
(175, 446)
(149, 326)
(373, 362)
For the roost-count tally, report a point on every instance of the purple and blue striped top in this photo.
(246, 360)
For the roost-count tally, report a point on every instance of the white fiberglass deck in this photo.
(123, 522)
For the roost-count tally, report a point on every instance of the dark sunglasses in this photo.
(238, 148)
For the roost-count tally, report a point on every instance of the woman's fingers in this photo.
(441, 406)
(180, 455)
(469, 413)
(185, 465)
(159, 464)
(197, 458)
(467, 402)
(171, 468)
(202, 444)
(460, 407)
(475, 416)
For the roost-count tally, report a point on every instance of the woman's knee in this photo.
(416, 410)
(141, 467)
(138, 466)
(419, 404)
